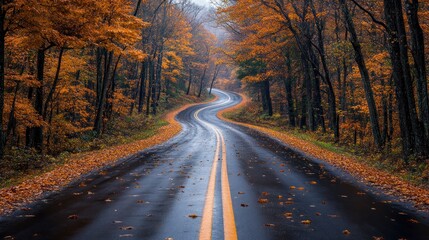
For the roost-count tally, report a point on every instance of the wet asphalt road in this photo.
(161, 193)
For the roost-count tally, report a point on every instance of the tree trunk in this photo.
(216, 72)
(54, 84)
(150, 87)
(289, 96)
(99, 76)
(189, 82)
(38, 131)
(142, 91)
(159, 74)
(111, 90)
(153, 87)
(308, 94)
(418, 52)
(419, 136)
(102, 102)
(327, 76)
(266, 98)
(366, 82)
(410, 132)
(202, 82)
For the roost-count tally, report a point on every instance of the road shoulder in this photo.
(389, 184)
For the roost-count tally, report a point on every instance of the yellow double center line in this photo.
(230, 231)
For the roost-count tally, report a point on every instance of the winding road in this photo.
(216, 180)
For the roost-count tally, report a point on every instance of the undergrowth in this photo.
(20, 163)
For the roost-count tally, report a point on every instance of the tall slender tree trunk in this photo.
(319, 119)
(54, 84)
(150, 87)
(189, 82)
(289, 95)
(29, 130)
(308, 94)
(111, 90)
(102, 102)
(153, 89)
(202, 82)
(142, 91)
(266, 97)
(418, 52)
(99, 72)
(216, 72)
(38, 131)
(327, 75)
(366, 82)
(410, 131)
(419, 140)
(159, 74)
(11, 124)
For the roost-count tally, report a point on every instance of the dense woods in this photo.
(353, 69)
(69, 68)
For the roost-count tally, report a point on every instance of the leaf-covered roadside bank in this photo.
(388, 183)
(33, 187)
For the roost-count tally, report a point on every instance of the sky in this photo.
(202, 2)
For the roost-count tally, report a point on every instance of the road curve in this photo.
(216, 180)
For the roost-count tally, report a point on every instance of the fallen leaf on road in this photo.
(74, 216)
(306, 221)
(126, 228)
(413, 220)
(269, 225)
(262, 200)
(244, 205)
(193, 216)
(346, 232)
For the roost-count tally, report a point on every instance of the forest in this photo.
(352, 70)
(70, 70)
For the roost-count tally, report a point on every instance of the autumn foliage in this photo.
(355, 70)
(70, 69)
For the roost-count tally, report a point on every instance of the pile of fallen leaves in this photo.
(77, 165)
(388, 183)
